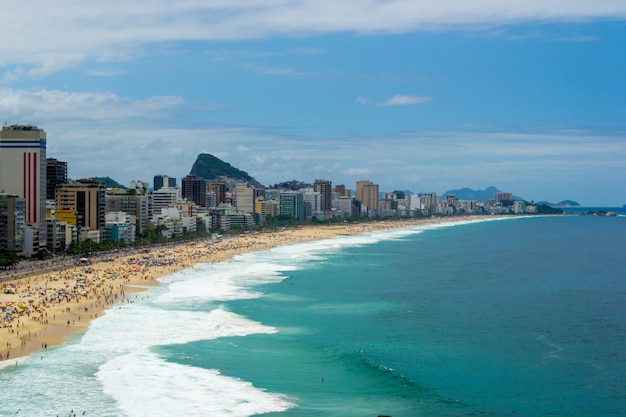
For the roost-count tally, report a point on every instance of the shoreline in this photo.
(47, 307)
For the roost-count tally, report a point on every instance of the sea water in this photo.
(519, 317)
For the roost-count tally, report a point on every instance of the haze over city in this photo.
(528, 97)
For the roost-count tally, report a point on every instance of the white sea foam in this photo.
(139, 326)
(222, 282)
(145, 385)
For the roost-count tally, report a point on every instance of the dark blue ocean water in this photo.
(519, 317)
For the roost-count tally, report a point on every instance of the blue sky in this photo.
(529, 96)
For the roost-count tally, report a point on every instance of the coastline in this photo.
(49, 307)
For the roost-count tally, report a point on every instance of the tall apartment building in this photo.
(56, 174)
(23, 173)
(367, 195)
(324, 187)
(245, 198)
(87, 197)
(292, 204)
(506, 199)
(12, 208)
(259, 211)
(194, 189)
(134, 203)
(342, 191)
(431, 202)
(160, 181)
(219, 188)
(163, 198)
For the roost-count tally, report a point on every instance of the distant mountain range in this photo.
(480, 195)
(490, 192)
(562, 204)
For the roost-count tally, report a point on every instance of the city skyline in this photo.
(410, 95)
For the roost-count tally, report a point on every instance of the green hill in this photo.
(109, 182)
(212, 168)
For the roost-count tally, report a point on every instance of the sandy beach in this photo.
(44, 308)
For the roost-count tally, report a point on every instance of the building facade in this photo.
(161, 181)
(87, 197)
(12, 224)
(367, 195)
(324, 187)
(245, 198)
(194, 189)
(219, 188)
(23, 173)
(56, 174)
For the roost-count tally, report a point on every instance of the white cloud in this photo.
(118, 29)
(397, 100)
(356, 172)
(405, 100)
(278, 71)
(48, 105)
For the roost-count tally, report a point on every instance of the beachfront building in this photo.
(430, 202)
(219, 188)
(55, 235)
(344, 206)
(85, 234)
(12, 223)
(160, 181)
(259, 211)
(164, 197)
(244, 197)
(194, 189)
(313, 205)
(171, 218)
(56, 174)
(505, 199)
(23, 173)
(86, 197)
(134, 202)
(119, 227)
(272, 207)
(341, 190)
(367, 195)
(519, 207)
(292, 204)
(324, 188)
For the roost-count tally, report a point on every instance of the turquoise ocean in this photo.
(515, 317)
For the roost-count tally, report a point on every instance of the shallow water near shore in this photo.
(519, 317)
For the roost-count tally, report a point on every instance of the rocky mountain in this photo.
(212, 168)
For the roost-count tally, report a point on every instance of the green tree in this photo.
(8, 259)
